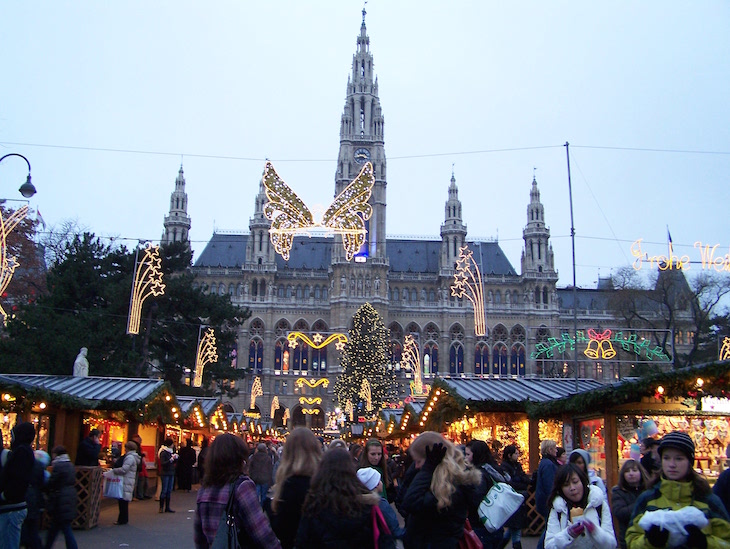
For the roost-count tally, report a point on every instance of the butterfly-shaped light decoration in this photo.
(8, 263)
(346, 216)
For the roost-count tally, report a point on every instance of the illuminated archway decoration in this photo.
(8, 264)
(411, 360)
(346, 216)
(468, 283)
(599, 346)
(312, 384)
(147, 282)
(349, 410)
(366, 394)
(207, 353)
(311, 401)
(256, 391)
(318, 341)
(725, 349)
(274, 405)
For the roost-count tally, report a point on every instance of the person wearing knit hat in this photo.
(679, 486)
(372, 480)
(369, 477)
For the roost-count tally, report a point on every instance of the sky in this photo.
(107, 99)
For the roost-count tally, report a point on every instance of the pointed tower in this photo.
(177, 222)
(259, 250)
(453, 230)
(538, 265)
(361, 141)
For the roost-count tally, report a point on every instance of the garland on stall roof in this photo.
(678, 383)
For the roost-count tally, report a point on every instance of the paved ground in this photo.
(148, 529)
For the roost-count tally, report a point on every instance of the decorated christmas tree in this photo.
(365, 380)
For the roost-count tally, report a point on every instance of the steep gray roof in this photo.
(404, 255)
(519, 390)
(588, 299)
(207, 404)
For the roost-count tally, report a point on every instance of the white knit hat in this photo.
(369, 477)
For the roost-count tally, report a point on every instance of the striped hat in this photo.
(680, 441)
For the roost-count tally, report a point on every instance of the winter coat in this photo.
(88, 453)
(62, 490)
(261, 468)
(15, 477)
(520, 482)
(557, 536)
(426, 524)
(722, 489)
(167, 461)
(490, 476)
(674, 495)
(129, 471)
(622, 506)
(325, 530)
(35, 496)
(545, 478)
(285, 521)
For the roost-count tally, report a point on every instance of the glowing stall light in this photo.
(8, 264)
(274, 405)
(256, 390)
(346, 216)
(411, 360)
(147, 282)
(366, 394)
(599, 346)
(318, 341)
(207, 353)
(302, 381)
(725, 349)
(468, 283)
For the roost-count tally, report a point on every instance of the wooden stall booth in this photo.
(66, 408)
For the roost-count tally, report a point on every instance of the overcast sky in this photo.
(107, 98)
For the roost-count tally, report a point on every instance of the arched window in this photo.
(281, 346)
(499, 360)
(414, 295)
(431, 350)
(317, 293)
(299, 292)
(255, 288)
(262, 289)
(431, 296)
(456, 358)
(325, 293)
(256, 355)
(545, 295)
(280, 291)
(396, 352)
(306, 292)
(396, 294)
(481, 358)
(231, 290)
(497, 297)
(288, 291)
(517, 360)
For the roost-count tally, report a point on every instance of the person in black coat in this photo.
(437, 498)
(88, 453)
(632, 481)
(15, 475)
(722, 487)
(35, 497)
(61, 498)
(516, 477)
(185, 466)
(479, 456)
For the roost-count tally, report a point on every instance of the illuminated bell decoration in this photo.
(207, 353)
(468, 283)
(147, 282)
(346, 216)
(8, 264)
(600, 346)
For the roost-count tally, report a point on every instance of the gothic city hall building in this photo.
(408, 281)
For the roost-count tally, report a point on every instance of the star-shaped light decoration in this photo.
(468, 283)
(317, 338)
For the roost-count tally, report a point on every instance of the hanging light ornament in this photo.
(147, 282)
(468, 283)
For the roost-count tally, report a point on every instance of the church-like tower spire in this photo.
(537, 256)
(259, 250)
(177, 222)
(361, 141)
(453, 230)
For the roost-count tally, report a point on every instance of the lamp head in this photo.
(27, 189)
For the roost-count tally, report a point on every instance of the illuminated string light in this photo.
(310, 401)
(318, 341)
(599, 346)
(468, 283)
(725, 349)
(207, 353)
(286, 416)
(312, 384)
(274, 405)
(346, 216)
(631, 343)
(147, 282)
(8, 264)
(672, 262)
(411, 360)
(366, 394)
(310, 411)
(349, 410)
(256, 390)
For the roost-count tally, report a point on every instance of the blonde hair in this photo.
(546, 445)
(450, 473)
(301, 455)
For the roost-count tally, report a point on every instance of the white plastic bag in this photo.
(500, 503)
(113, 486)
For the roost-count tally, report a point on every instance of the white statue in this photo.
(81, 365)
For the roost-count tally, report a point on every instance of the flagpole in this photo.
(575, 290)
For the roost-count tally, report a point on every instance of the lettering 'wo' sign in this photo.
(710, 258)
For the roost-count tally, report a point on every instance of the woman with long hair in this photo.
(437, 499)
(512, 468)
(579, 515)
(298, 463)
(373, 456)
(679, 487)
(338, 509)
(479, 456)
(224, 472)
(632, 480)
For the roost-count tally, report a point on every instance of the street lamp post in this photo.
(26, 189)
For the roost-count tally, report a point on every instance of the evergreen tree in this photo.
(366, 357)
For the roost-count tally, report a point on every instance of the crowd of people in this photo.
(308, 494)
